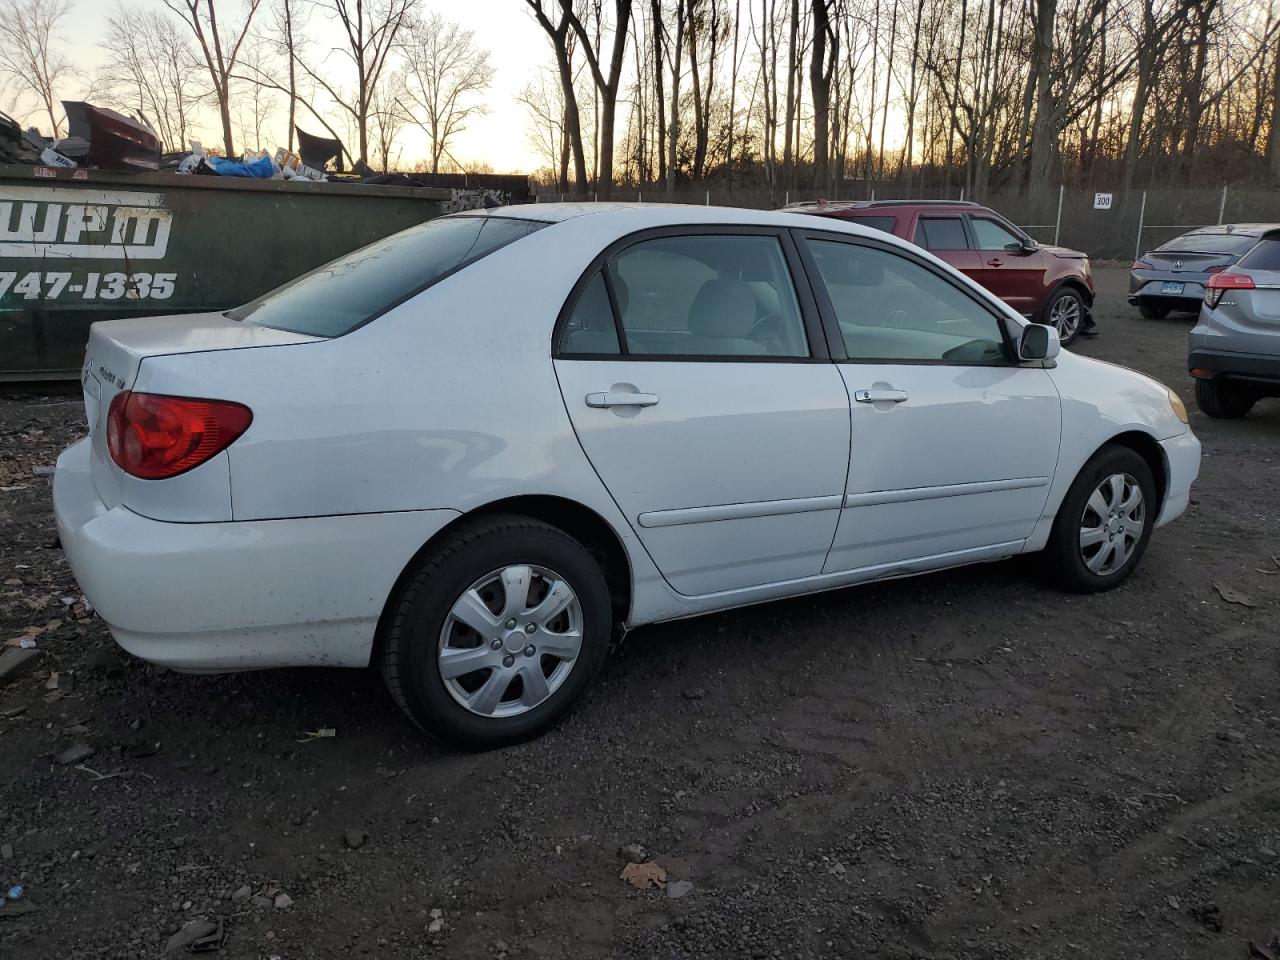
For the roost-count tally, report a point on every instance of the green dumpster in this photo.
(83, 245)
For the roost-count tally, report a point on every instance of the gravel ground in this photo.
(965, 765)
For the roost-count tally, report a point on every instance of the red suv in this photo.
(1047, 284)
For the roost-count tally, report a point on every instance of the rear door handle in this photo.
(617, 398)
(995, 262)
(877, 396)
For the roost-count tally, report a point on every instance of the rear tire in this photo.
(1093, 545)
(1151, 312)
(497, 573)
(1222, 399)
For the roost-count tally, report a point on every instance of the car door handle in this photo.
(877, 396)
(617, 398)
(995, 262)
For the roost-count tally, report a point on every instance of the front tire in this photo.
(1222, 399)
(1104, 523)
(1065, 312)
(497, 633)
(1152, 312)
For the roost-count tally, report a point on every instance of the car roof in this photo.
(627, 217)
(1239, 229)
(840, 206)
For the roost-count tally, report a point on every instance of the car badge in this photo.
(1177, 264)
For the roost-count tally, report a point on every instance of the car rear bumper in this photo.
(1182, 456)
(1259, 367)
(215, 597)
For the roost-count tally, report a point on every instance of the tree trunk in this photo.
(661, 119)
(1044, 136)
(820, 84)
(1273, 150)
(674, 130)
(789, 125)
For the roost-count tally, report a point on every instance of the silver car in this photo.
(1174, 276)
(1234, 351)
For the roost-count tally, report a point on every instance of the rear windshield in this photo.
(876, 223)
(1209, 243)
(352, 290)
(1265, 256)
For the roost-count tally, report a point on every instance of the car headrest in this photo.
(723, 308)
(850, 266)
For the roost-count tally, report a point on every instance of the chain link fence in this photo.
(1105, 225)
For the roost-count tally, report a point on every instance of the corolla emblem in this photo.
(1177, 264)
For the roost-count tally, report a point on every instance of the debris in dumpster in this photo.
(116, 141)
(260, 169)
(52, 158)
(15, 892)
(318, 151)
(644, 876)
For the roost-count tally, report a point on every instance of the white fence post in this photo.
(708, 202)
(1222, 205)
(639, 197)
(1057, 224)
(962, 194)
(873, 193)
(786, 197)
(1142, 212)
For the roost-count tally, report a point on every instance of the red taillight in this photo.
(1142, 265)
(1220, 283)
(153, 436)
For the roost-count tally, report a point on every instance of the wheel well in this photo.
(1075, 284)
(1144, 446)
(582, 523)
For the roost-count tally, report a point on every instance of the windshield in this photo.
(340, 296)
(1209, 243)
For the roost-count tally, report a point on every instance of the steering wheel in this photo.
(770, 332)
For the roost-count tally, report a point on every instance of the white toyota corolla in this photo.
(471, 451)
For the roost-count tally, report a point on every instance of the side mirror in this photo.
(1039, 342)
(1024, 246)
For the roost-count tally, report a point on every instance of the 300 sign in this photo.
(94, 286)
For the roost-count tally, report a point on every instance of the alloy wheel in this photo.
(1112, 524)
(510, 640)
(1065, 317)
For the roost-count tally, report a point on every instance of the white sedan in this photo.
(472, 451)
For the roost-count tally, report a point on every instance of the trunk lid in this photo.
(116, 351)
(1188, 261)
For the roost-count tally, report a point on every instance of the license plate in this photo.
(1171, 289)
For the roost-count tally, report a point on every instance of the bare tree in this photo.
(548, 135)
(606, 86)
(220, 56)
(371, 31)
(562, 43)
(29, 55)
(445, 73)
(387, 117)
(152, 69)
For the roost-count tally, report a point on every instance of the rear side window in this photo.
(1209, 243)
(707, 296)
(876, 223)
(345, 293)
(1265, 256)
(941, 233)
(590, 329)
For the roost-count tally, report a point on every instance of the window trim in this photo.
(810, 314)
(835, 339)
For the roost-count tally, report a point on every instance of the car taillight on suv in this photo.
(1220, 283)
(153, 436)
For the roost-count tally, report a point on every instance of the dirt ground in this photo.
(965, 765)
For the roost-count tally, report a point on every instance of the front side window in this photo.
(992, 235)
(941, 233)
(341, 295)
(891, 308)
(707, 296)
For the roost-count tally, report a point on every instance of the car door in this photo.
(696, 375)
(1006, 268)
(953, 442)
(945, 236)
